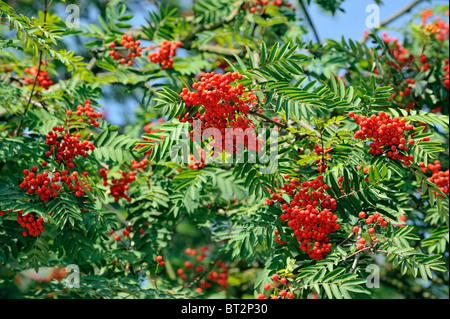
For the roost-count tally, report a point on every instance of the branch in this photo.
(395, 16)
(37, 73)
(302, 5)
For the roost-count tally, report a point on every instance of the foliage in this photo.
(136, 199)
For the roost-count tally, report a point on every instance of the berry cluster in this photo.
(67, 146)
(88, 111)
(372, 222)
(119, 186)
(439, 177)
(404, 61)
(133, 47)
(74, 183)
(40, 184)
(43, 80)
(322, 167)
(32, 225)
(400, 54)
(309, 214)
(216, 279)
(388, 134)
(225, 106)
(139, 165)
(164, 54)
(279, 293)
(64, 147)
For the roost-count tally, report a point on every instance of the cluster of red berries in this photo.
(33, 225)
(387, 133)
(67, 146)
(47, 186)
(40, 184)
(43, 80)
(225, 106)
(139, 165)
(74, 183)
(164, 55)
(133, 47)
(88, 111)
(217, 278)
(279, 293)
(372, 222)
(400, 54)
(439, 177)
(404, 61)
(425, 66)
(119, 186)
(309, 214)
(322, 167)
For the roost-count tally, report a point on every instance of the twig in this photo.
(316, 35)
(346, 239)
(395, 16)
(37, 74)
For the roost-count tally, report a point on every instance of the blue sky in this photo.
(352, 23)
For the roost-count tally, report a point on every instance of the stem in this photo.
(395, 16)
(37, 74)
(311, 24)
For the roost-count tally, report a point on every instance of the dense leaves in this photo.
(336, 185)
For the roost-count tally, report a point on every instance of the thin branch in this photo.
(346, 239)
(37, 74)
(311, 24)
(395, 16)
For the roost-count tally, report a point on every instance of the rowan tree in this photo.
(338, 166)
